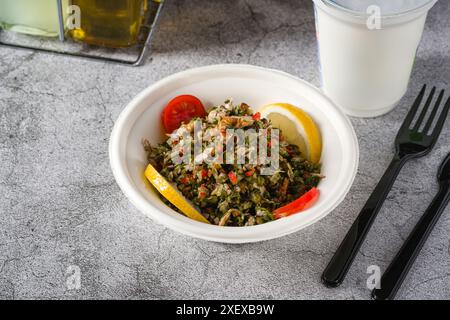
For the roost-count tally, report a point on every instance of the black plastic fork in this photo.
(416, 138)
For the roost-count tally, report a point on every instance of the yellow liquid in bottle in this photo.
(109, 23)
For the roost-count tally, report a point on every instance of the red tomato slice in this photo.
(304, 202)
(181, 109)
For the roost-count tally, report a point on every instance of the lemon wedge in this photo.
(298, 128)
(172, 194)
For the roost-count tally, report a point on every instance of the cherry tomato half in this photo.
(181, 109)
(304, 202)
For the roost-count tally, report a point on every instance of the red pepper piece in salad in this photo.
(256, 116)
(304, 202)
(250, 172)
(233, 178)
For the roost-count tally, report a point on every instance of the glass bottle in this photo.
(34, 17)
(109, 23)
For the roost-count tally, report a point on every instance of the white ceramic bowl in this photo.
(214, 84)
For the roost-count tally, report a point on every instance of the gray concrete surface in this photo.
(60, 206)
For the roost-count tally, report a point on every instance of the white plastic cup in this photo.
(365, 70)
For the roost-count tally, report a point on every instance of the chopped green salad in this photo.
(235, 194)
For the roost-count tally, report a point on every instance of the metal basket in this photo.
(134, 55)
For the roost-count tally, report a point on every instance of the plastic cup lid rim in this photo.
(410, 6)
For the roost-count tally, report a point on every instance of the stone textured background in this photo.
(60, 205)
